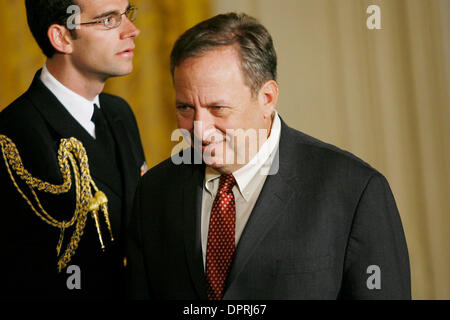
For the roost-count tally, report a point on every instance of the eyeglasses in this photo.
(114, 20)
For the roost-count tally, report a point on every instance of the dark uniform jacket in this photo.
(36, 122)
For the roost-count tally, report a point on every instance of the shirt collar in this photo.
(79, 107)
(247, 173)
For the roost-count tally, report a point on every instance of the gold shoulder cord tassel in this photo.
(100, 201)
(70, 150)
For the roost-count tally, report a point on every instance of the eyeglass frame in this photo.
(119, 15)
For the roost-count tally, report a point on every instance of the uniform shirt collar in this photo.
(248, 172)
(79, 108)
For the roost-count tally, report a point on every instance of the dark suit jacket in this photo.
(317, 226)
(36, 122)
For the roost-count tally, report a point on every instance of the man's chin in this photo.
(121, 72)
(217, 165)
(212, 162)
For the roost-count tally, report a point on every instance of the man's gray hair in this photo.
(252, 40)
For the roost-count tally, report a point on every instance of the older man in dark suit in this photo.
(269, 212)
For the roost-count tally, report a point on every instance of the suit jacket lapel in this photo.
(274, 198)
(130, 172)
(192, 203)
(52, 110)
(271, 204)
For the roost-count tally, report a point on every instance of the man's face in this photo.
(211, 91)
(99, 52)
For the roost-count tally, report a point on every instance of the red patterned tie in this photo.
(220, 248)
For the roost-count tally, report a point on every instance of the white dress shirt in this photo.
(249, 183)
(78, 107)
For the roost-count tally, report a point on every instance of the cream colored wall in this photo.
(382, 95)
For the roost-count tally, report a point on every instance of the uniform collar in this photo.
(79, 108)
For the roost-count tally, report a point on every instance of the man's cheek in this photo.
(184, 123)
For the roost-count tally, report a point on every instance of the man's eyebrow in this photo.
(178, 102)
(108, 13)
(103, 15)
(219, 103)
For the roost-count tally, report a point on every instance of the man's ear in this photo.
(60, 38)
(268, 97)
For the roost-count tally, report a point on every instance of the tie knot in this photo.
(226, 182)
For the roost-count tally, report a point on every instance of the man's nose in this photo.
(203, 123)
(129, 29)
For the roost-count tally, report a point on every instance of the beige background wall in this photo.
(382, 95)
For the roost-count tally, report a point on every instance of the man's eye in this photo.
(108, 21)
(183, 107)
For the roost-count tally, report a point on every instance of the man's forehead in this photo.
(213, 77)
(217, 64)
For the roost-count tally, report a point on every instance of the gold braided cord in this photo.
(70, 151)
